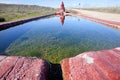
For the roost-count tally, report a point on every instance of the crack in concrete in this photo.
(4, 76)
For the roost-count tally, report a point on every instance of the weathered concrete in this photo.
(99, 65)
(23, 68)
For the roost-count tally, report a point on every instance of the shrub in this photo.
(2, 19)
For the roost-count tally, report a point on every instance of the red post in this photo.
(62, 8)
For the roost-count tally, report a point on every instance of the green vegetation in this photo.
(52, 47)
(11, 12)
(105, 9)
(47, 44)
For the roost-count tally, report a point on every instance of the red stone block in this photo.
(22, 68)
(99, 65)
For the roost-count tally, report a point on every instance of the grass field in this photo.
(11, 12)
(105, 9)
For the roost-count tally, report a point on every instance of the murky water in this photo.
(51, 40)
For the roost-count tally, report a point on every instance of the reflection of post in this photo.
(62, 18)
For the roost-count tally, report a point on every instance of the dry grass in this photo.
(10, 12)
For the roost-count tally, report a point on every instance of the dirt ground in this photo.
(100, 15)
(109, 19)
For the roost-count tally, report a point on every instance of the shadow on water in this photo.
(55, 72)
(3, 53)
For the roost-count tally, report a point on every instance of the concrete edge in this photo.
(96, 20)
(6, 25)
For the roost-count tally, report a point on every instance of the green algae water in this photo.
(49, 39)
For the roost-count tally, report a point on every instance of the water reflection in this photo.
(62, 19)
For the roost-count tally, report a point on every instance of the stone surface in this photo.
(99, 65)
(23, 68)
